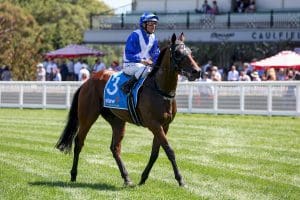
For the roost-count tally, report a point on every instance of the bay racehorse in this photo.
(156, 108)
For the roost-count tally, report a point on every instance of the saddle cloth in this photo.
(114, 97)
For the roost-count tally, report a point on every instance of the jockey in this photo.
(141, 50)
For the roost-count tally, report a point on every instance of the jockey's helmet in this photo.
(148, 17)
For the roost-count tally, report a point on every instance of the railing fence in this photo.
(259, 98)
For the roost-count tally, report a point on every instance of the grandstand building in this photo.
(272, 21)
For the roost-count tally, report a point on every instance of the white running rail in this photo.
(257, 98)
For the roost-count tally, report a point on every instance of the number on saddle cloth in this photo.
(114, 97)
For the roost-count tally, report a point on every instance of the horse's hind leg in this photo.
(79, 142)
(86, 119)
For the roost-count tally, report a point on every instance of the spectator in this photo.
(84, 73)
(233, 74)
(71, 74)
(205, 8)
(244, 76)
(85, 64)
(251, 8)
(271, 74)
(6, 74)
(281, 75)
(215, 74)
(56, 75)
(98, 66)
(41, 72)
(207, 67)
(255, 76)
(214, 9)
(63, 68)
(77, 68)
(241, 6)
(297, 76)
(290, 75)
(237, 5)
(50, 68)
(206, 90)
(247, 68)
(115, 66)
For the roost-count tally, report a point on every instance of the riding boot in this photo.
(127, 86)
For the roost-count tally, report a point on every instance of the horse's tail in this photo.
(65, 141)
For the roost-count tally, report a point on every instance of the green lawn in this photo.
(220, 157)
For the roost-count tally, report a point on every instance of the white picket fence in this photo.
(258, 98)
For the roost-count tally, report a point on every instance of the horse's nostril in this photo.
(196, 73)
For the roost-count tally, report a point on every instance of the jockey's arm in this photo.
(132, 48)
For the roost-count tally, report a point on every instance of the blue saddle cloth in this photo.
(114, 97)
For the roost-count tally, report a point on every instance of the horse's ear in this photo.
(181, 37)
(173, 39)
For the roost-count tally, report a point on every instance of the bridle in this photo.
(176, 59)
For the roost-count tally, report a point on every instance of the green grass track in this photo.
(219, 156)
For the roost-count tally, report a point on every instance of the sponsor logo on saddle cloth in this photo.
(114, 97)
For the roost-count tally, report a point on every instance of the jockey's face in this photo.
(150, 27)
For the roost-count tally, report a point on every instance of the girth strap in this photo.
(133, 114)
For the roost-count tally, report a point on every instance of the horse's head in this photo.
(182, 60)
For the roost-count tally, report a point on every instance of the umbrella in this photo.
(74, 51)
(284, 59)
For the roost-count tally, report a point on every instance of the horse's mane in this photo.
(158, 62)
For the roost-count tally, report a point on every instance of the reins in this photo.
(174, 63)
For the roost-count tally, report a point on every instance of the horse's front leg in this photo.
(153, 158)
(162, 139)
(115, 147)
(171, 155)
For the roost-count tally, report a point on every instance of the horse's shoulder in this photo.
(103, 75)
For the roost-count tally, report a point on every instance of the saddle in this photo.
(114, 96)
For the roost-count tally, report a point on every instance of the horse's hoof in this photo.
(182, 184)
(141, 183)
(128, 184)
(73, 179)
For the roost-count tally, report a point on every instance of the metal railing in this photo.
(259, 98)
(192, 20)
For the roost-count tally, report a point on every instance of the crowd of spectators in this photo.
(246, 72)
(80, 70)
(206, 8)
(244, 6)
(239, 6)
(71, 69)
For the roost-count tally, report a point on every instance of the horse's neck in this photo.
(166, 77)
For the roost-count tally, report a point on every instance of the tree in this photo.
(30, 28)
(19, 41)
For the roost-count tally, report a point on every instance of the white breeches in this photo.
(138, 69)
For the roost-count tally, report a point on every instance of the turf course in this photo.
(220, 157)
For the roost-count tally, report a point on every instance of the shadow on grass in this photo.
(95, 186)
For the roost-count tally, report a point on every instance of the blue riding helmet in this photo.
(148, 17)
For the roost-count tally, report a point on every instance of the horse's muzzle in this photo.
(195, 74)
